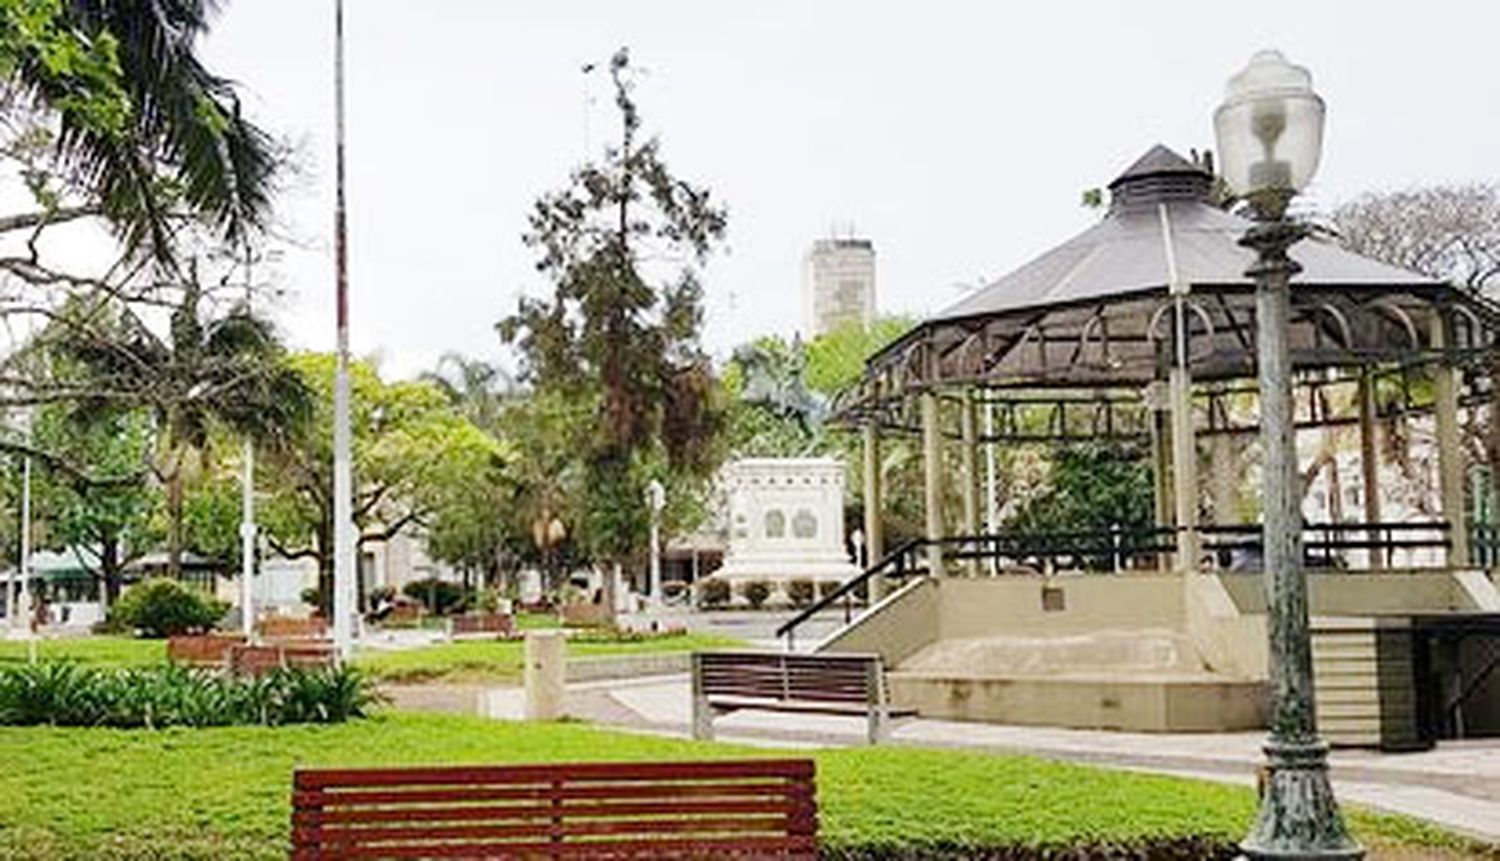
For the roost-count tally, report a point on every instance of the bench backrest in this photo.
(254, 660)
(755, 808)
(788, 676)
(483, 623)
(292, 627)
(201, 650)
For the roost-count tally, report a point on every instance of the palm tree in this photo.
(157, 126)
(479, 390)
(207, 371)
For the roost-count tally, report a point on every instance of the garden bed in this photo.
(224, 793)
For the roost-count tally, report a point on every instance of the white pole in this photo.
(25, 566)
(247, 543)
(343, 478)
(991, 504)
(656, 498)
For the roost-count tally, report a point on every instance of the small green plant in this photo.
(827, 587)
(713, 593)
(440, 597)
(756, 592)
(63, 693)
(800, 592)
(162, 607)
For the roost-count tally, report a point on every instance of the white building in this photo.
(838, 284)
(786, 521)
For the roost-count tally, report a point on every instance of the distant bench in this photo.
(759, 809)
(292, 628)
(202, 650)
(255, 660)
(488, 625)
(843, 684)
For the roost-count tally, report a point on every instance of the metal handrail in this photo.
(895, 558)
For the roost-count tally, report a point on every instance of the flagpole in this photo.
(343, 479)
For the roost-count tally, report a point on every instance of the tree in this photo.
(109, 517)
(411, 450)
(620, 328)
(1091, 491)
(140, 118)
(208, 370)
(1447, 232)
(477, 389)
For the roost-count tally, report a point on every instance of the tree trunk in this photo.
(324, 546)
(174, 523)
(109, 571)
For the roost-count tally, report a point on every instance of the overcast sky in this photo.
(956, 136)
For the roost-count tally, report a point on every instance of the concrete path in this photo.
(1456, 785)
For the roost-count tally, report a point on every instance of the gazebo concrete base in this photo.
(1137, 704)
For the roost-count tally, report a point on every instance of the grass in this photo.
(93, 651)
(500, 661)
(223, 793)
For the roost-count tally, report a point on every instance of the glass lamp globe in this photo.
(1269, 128)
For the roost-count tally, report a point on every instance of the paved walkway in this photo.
(1456, 785)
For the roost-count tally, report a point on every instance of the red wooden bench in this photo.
(487, 625)
(202, 650)
(761, 809)
(292, 628)
(255, 660)
(844, 684)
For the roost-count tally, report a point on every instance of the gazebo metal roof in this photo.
(1097, 311)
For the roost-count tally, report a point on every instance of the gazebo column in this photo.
(969, 461)
(1184, 468)
(874, 532)
(1450, 453)
(1225, 468)
(1161, 485)
(1369, 461)
(932, 479)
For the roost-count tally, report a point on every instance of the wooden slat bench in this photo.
(486, 625)
(760, 809)
(846, 684)
(202, 650)
(292, 628)
(255, 660)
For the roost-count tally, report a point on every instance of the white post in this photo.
(343, 478)
(23, 608)
(656, 498)
(247, 542)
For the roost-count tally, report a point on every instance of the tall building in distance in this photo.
(838, 284)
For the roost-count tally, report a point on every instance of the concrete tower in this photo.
(838, 284)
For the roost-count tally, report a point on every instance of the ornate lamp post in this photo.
(1270, 133)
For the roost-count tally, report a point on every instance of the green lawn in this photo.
(500, 661)
(96, 651)
(222, 793)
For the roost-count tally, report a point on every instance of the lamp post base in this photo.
(1298, 816)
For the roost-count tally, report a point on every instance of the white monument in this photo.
(786, 521)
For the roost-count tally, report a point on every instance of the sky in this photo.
(958, 137)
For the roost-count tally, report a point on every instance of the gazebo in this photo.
(1142, 327)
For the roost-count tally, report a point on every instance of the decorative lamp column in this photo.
(1270, 134)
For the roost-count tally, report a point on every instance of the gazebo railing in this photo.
(1233, 547)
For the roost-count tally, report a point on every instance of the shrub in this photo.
(713, 593)
(756, 592)
(162, 607)
(440, 597)
(828, 587)
(800, 592)
(62, 693)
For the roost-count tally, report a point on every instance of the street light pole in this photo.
(1270, 134)
(343, 477)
